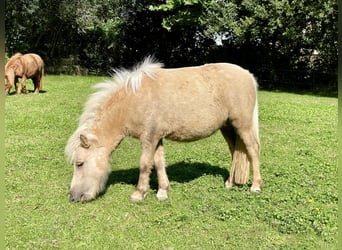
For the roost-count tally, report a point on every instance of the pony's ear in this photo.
(88, 140)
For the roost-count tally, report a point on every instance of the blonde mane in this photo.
(130, 79)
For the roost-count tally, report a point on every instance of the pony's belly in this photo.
(185, 138)
(194, 133)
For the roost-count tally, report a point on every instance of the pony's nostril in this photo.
(72, 198)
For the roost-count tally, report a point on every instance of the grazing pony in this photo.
(27, 66)
(151, 103)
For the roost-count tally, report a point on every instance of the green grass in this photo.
(297, 208)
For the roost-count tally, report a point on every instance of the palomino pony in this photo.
(28, 66)
(151, 103)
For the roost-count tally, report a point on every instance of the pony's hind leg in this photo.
(23, 85)
(252, 144)
(36, 82)
(160, 166)
(17, 86)
(229, 135)
(239, 171)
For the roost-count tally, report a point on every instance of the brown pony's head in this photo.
(13, 68)
(9, 79)
(91, 169)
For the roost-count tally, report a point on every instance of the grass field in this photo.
(297, 208)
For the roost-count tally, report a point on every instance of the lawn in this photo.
(296, 209)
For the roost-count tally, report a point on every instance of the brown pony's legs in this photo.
(23, 85)
(17, 86)
(8, 87)
(160, 165)
(36, 82)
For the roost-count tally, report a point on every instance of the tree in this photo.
(267, 36)
(58, 29)
(19, 22)
(141, 34)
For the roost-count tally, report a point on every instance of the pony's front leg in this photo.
(23, 85)
(17, 86)
(146, 161)
(160, 165)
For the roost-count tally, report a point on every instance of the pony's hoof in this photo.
(255, 189)
(256, 186)
(137, 196)
(162, 195)
(228, 184)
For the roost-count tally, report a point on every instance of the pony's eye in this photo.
(79, 164)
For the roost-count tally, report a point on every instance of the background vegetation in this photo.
(297, 208)
(285, 43)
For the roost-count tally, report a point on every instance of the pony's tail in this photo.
(241, 165)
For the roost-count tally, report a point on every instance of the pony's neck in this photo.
(108, 138)
(109, 128)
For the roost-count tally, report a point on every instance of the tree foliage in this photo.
(268, 37)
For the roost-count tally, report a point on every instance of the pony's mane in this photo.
(12, 60)
(130, 79)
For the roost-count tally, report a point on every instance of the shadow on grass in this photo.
(180, 172)
(12, 93)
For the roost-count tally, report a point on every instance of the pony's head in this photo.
(13, 68)
(9, 79)
(91, 167)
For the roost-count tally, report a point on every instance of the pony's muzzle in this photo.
(80, 196)
(74, 197)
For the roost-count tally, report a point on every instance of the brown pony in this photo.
(28, 66)
(151, 103)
